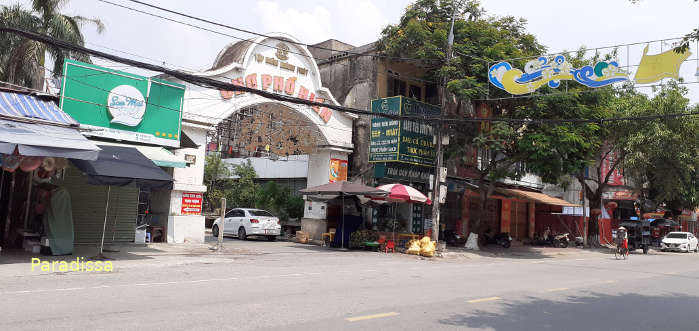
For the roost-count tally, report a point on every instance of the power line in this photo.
(267, 36)
(218, 85)
(264, 45)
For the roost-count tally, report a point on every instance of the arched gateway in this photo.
(248, 125)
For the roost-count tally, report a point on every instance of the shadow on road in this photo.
(627, 311)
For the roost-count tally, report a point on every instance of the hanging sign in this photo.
(191, 203)
(543, 71)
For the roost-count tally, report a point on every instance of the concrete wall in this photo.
(181, 229)
(353, 82)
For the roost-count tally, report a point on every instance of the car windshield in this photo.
(677, 236)
(258, 212)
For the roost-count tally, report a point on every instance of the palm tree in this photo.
(22, 61)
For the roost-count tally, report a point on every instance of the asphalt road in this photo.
(298, 287)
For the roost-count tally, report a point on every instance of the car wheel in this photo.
(271, 238)
(241, 233)
(214, 230)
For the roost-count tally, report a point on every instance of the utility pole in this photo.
(436, 189)
(221, 224)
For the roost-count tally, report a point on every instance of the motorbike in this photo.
(554, 240)
(503, 239)
(451, 237)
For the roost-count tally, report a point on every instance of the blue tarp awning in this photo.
(28, 106)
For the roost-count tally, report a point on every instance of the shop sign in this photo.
(280, 76)
(191, 203)
(123, 106)
(338, 170)
(620, 195)
(405, 141)
(399, 171)
(617, 177)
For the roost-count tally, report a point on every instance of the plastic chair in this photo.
(382, 242)
(390, 245)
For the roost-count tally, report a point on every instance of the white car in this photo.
(680, 241)
(244, 222)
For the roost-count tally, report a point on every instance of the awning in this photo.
(28, 106)
(536, 197)
(121, 166)
(159, 155)
(31, 139)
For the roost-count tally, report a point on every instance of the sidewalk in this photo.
(128, 256)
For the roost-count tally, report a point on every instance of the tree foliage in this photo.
(22, 60)
(236, 183)
(280, 201)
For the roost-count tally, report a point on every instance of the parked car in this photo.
(680, 241)
(244, 222)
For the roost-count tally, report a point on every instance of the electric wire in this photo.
(209, 83)
(271, 37)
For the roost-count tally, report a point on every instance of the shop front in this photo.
(36, 141)
(120, 109)
(402, 152)
(247, 125)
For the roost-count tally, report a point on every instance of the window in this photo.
(676, 235)
(258, 212)
(395, 87)
(415, 92)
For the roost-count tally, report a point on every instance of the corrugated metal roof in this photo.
(537, 197)
(27, 106)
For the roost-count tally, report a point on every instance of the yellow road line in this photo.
(368, 317)
(557, 289)
(483, 300)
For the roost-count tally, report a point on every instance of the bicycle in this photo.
(621, 252)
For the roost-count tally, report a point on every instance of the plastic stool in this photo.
(390, 245)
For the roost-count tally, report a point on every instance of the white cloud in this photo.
(310, 26)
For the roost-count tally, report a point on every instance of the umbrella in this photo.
(122, 166)
(402, 193)
(343, 188)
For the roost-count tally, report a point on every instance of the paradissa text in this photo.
(78, 265)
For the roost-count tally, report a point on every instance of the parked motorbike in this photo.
(503, 239)
(558, 240)
(451, 237)
(561, 240)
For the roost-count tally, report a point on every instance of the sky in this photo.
(558, 24)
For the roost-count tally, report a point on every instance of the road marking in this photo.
(483, 300)
(610, 281)
(558, 289)
(368, 317)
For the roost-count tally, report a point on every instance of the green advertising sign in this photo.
(404, 141)
(123, 106)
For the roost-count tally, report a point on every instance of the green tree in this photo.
(665, 153)
(217, 178)
(242, 192)
(22, 60)
(280, 201)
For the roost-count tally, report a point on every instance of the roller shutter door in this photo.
(88, 209)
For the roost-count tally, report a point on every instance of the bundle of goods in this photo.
(302, 237)
(427, 247)
(413, 247)
(358, 238)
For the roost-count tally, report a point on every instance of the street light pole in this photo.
(436, 189)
